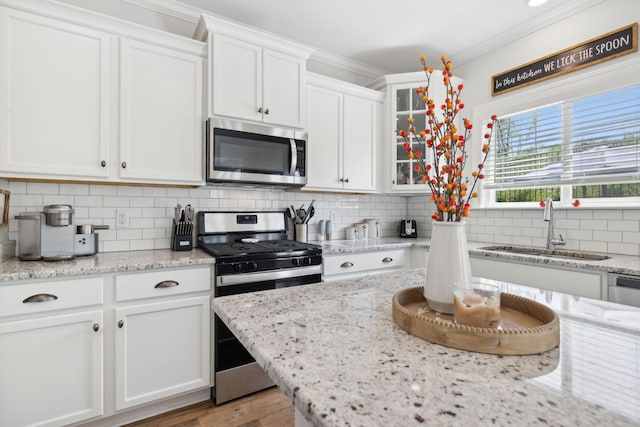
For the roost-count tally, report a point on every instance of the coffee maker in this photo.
(51, 235)
(408, 228)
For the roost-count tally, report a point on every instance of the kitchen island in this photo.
(336, 353)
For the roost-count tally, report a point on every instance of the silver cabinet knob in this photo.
(266, 111)
(120, 324)
(124, 165)
(96, 327)
(260, 110)
(346, 180)
(103, 163)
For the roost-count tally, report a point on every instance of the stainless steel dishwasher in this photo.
(624, 289)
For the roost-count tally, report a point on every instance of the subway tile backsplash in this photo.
(150, 210)
(614, 231)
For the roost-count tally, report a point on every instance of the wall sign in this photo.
(612, 45)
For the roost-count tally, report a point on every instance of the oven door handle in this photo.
(238, 279)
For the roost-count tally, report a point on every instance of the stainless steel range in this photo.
(252, 254)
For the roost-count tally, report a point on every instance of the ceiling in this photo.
(390, 35)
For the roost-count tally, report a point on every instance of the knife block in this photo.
(181, 236)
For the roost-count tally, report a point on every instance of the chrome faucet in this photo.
(548, 216)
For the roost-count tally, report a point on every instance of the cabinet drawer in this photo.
(50, 295)
(363, 261)
(161, 283)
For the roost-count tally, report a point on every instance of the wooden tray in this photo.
(528, 327)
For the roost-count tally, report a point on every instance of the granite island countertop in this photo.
(336, 353)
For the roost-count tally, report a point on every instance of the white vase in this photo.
(448, 266)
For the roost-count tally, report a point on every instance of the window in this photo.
(584, 148)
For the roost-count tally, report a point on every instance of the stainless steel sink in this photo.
(548, 253)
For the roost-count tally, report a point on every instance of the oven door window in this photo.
(235, 151)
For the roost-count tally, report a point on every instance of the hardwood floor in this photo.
(268, 408)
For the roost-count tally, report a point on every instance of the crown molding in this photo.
(347, 64)
(559, 13)
(171, 8)
(179, 10)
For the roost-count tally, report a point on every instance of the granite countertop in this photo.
(334, 350)
(622, 264)
(107, 262)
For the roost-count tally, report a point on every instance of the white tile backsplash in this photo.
(150, 211)
(597, 230)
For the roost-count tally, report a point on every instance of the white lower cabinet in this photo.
(103, 350)
(162, 339)
(341, 266)
(51, 359)
(590, 284)
(161, 349)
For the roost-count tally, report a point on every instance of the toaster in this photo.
(408, 228)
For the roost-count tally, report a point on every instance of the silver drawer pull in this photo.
(40, 298)
(387, 259)
(167, 284)
(346, 264)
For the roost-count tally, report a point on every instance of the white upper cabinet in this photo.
(253, 75)
(160, 114)
(237, 79)
(343, 130)
(54, 97)
(325, 137)
(87, 97)
(283, 89)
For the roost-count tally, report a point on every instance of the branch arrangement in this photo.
(451, 191)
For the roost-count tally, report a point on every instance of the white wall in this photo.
(585, 229)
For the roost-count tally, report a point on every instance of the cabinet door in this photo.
(324, 127)
(359, 143)
(162, 349)
(160, 114)
(54, 98)
(406, 103)
(51, 370)
(283, 89)
(237, 78)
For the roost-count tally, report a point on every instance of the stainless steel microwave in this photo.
(251, 153)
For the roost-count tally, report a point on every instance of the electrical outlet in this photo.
(122, 218)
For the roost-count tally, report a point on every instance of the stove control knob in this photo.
(237, 267)
(252, 266)
(307, 261)
(295, 261)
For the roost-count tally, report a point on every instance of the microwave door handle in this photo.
(294, 157)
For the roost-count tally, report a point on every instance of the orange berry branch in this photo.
(450, 190)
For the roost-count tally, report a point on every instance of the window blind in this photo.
(589, 140)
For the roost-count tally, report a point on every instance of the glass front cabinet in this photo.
(401, 103)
